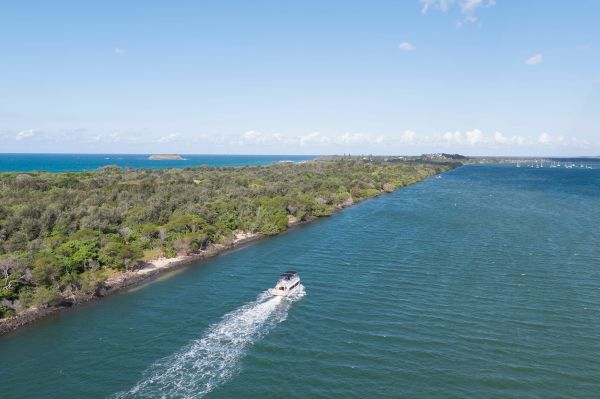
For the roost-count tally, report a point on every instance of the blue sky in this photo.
(477, 77)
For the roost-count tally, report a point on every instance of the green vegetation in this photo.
(62, 234)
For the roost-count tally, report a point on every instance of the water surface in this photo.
(87, 162)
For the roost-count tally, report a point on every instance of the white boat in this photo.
(288, 282)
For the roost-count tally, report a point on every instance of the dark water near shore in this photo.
(484, 283)
(87, 162)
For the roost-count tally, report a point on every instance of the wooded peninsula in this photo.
(65, 234)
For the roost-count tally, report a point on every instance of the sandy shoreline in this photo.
(121, 281)
(160, 265)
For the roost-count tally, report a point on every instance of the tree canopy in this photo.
(61, 232)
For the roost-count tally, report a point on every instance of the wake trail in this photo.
(213, 359)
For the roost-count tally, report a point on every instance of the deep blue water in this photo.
(86, 162)
(484, 283)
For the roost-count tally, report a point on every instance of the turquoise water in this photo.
(483, 283)
(86, 162)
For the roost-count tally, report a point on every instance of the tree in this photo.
(14, 275)
(47, 269)
(7, 265)
(78, 254)
(5, 311)
(120, 255)
(270, 221)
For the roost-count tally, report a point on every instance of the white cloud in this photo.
(468, 19)
(406, 46)
(314, 137)
(474, 136)
(470, 141)
(120, 51)
(535, 59)
(168, 138)
(85, 136)
(451, 138)
(500, 138)
(22, 135)
(560, 141)
(441, 5)
(309, 139)
(467, 140)
(114, 137)
(358, 138)
(256, 137)
(518, 140)
(95, 138)
(252, 135)
(474, 141)
(597, 80)
(408, 137)
(469, 5)
(544, 138)
(466, 6)
(547, 139)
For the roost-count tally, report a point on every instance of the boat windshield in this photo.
(288, 275)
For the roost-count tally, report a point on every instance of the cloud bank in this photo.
(471, 142)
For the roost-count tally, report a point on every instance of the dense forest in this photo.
(65, 233)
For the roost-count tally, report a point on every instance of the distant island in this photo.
(165, 157)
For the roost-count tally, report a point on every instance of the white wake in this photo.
(213, 359)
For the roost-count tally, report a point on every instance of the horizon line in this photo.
(298, 155)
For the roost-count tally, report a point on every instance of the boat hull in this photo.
(276, 292)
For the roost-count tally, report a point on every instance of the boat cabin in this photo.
(287, 282)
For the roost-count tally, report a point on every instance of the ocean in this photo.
(484, 283)
(88, 162)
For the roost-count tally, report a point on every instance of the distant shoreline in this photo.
(72, 163)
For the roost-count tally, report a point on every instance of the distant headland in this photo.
(165, 157)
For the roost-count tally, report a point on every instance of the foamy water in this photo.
(213, 359)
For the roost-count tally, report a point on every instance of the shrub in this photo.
(40, 296)
(91, 280)
(5, 311)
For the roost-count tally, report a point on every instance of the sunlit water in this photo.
(482, 283)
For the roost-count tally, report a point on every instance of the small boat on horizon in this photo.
(288, 283)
